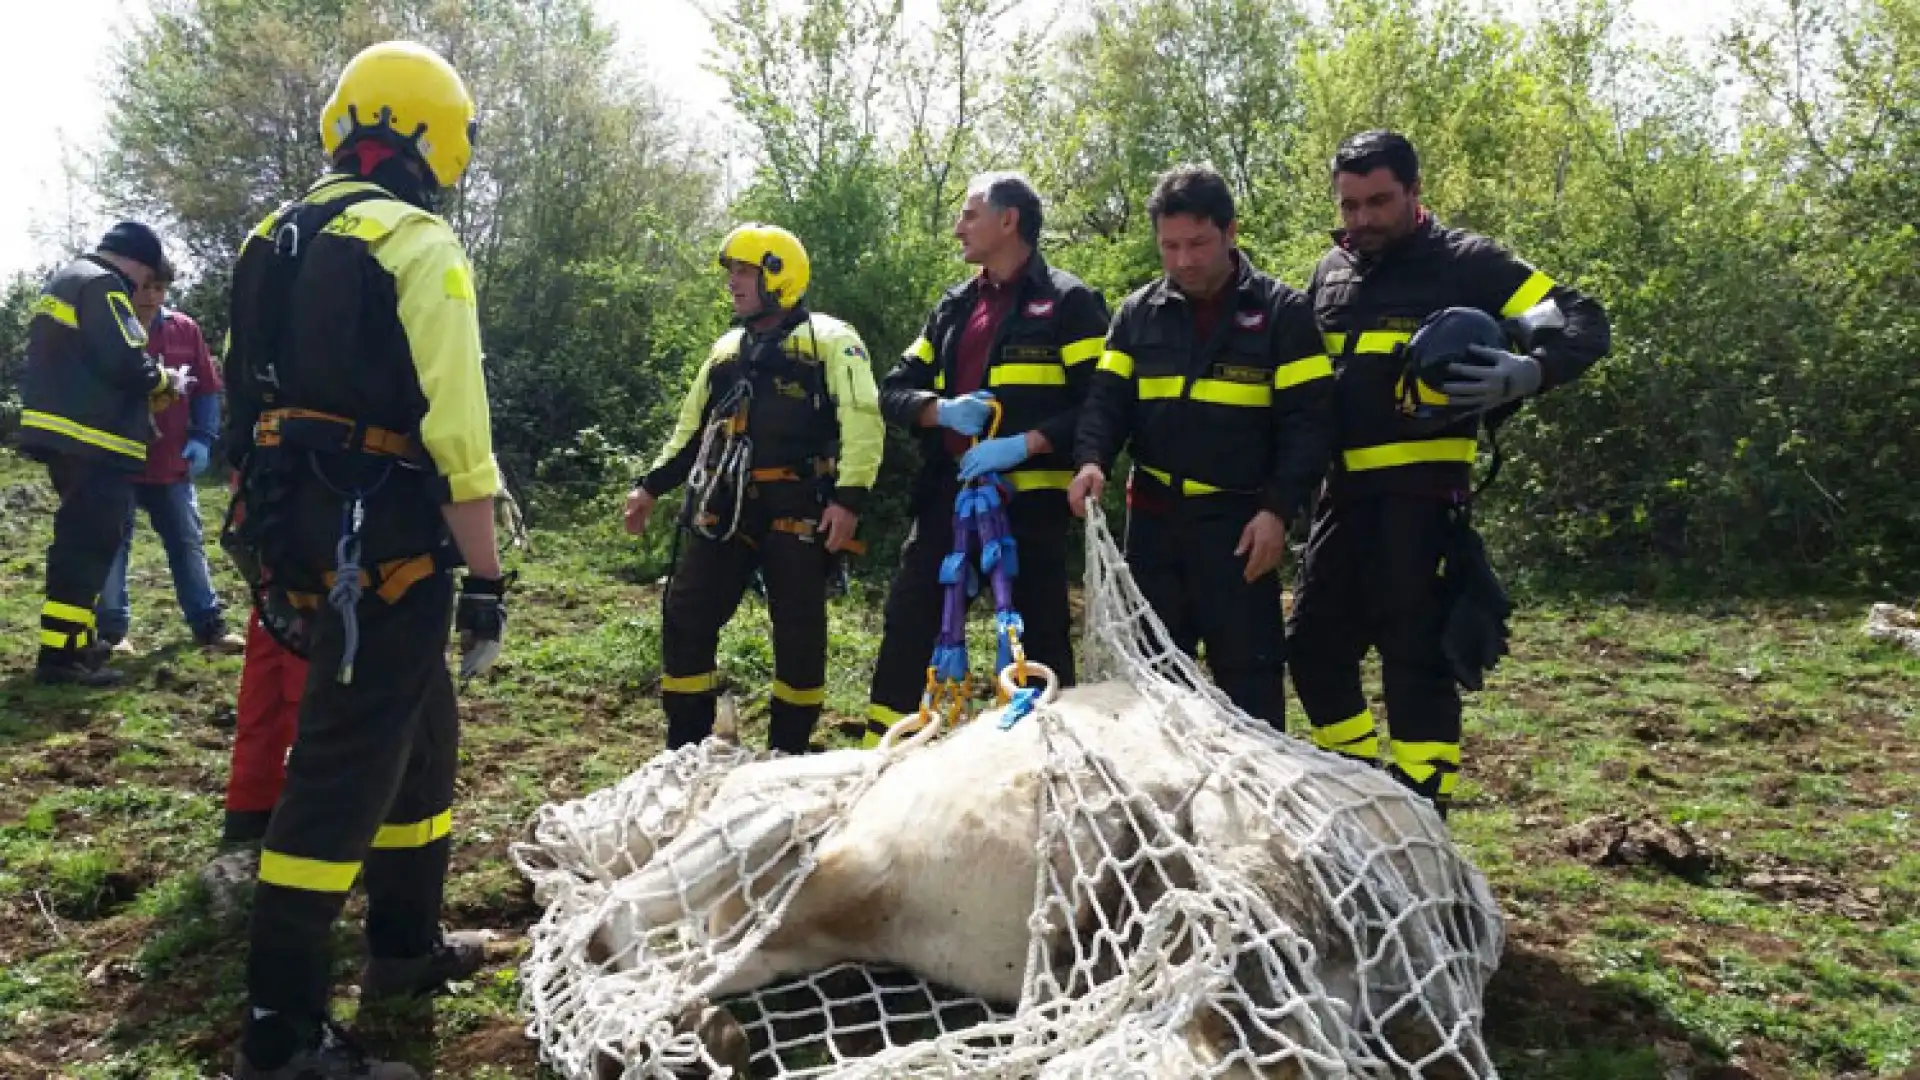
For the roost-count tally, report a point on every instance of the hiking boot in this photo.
(116, 646)
(336, 1057)
(216, 638)
(229, 878)
(96, 653)
(457, 955)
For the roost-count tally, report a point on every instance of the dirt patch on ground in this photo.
(1815, 892)
(85, 762)
(1616, 840)
(497, 1044)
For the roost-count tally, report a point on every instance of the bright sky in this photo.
(54, 80)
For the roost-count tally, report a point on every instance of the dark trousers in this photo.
(95, 499)
(1040, 522)
(1183, 560)
(1371, 579)
(369, 785)
(706, 591)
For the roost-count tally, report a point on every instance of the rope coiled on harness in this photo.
(344, 596)
(725, 461)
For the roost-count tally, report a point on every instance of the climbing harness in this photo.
(982, 533)
(723, 467)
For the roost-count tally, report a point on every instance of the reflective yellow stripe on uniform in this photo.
(1039, 479)
(414, 834)
(1425, 452)
(1027, 375)
(1420, 760)
(793, 696)
(307, 875)
(54, 609)
(1117, 362)
(1079, 352)
(1187, 487)
(54, 639)
(367, 228)
(1318, 366)
(1356, 736)
(1160, 387)
(1531, 291)
(1220, 392)
(690, 684)
(1211, 391)
(879, 719)
(60, 425)
(1372, 341)
(921, 350)
(58, 310)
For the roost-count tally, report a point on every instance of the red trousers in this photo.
(271, 684)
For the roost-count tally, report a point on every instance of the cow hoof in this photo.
(725, 1040)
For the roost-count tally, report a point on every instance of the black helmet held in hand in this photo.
(1442, 340)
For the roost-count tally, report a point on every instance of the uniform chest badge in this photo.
(1039, 309)
(1250, 320)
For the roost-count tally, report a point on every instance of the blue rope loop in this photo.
(980, 530)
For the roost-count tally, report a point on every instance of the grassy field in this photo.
(1699, 823)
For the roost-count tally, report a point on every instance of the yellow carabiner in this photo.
(993, 426)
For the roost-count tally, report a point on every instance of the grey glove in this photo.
(481, 619)
(1503, 378)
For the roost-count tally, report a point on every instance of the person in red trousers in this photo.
(271, 682)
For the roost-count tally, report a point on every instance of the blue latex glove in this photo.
(994, 456)
(966, 415)
(195, 455)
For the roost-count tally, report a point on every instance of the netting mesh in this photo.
(1137, 879)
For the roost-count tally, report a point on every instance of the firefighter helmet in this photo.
(1442, 340)
(406, 93)
(784, 269)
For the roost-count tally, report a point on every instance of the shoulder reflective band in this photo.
(129, 322)
(1117, 362)
(58, 310)
(1530, 292)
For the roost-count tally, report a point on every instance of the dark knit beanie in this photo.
(135, 241)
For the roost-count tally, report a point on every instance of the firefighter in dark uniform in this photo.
(362, 433)
(1029, 335)
(1215, 378)
(87, 398)
(1372, 577)
(778, 441)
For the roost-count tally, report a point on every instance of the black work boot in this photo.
(457, 955)
(334, 1057)
(73, 667)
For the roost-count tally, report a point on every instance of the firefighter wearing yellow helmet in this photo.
(361, 430)
(778, 441)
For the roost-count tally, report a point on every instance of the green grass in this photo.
(1778, 736)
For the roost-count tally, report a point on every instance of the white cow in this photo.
(933, 870)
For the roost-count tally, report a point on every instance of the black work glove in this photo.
(481, 620)
(1476, 633)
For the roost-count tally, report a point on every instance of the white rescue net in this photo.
(1898, 625)
(1209, 899)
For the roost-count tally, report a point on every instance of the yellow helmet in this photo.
(406, 89)
(784, 269)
